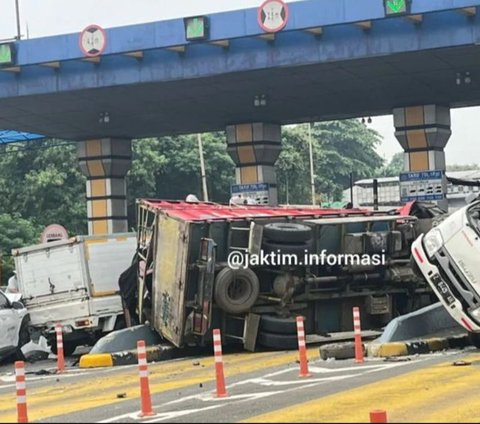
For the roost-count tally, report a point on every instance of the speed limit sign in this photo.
(93, 40)
(273, 15)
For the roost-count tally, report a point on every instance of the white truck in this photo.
(74, 282)
(448, 256)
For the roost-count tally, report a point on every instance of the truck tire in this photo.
(23, 339)
(278, 325)
(415, 268)
(68, 347)
(287, 249)
(278, 341)
(236, 291)
(287, 232)
(474, 339)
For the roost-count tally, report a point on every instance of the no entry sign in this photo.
(273, 15)
(93, 40)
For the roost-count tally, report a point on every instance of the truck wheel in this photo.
(415, 268)
(278, 341)
(287, 232)
(287, 249)
(474, 339)
(23, 339)
(68, 347)
(278, 325)
(236, 291)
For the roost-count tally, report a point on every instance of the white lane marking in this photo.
(260, 381)
(267, 382)
(162, 416)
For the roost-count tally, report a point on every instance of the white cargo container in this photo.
(75, 283)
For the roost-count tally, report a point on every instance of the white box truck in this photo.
(74, 282)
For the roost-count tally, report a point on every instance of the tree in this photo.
(42, 182)
(395, 166)
(14, 232)
(339, 148)
(456, 167)
(169, 168)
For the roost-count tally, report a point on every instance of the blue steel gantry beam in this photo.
(334, 59)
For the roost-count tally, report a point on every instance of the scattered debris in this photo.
(200, 385)
(196, 363)
(121, 395)
(461, 363)
(397, 359)
(42, 372)
(36, 351)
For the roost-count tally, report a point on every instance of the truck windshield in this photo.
(473, 215)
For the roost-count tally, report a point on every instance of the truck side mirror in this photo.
(17, 305)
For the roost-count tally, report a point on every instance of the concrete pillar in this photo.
(255, 148)
(106, 162)
(423, 132)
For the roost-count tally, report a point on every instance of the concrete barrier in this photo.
(431, 320)
(120, 348)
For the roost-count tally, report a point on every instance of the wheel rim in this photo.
(238, 291)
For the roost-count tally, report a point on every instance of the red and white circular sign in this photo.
(93, 40)
(273, 15)
(53, 232)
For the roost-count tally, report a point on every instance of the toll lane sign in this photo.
(422, 186)
(273, 15)
(396, 7)
(257, 193)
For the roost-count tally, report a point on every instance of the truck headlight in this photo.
(432, 242)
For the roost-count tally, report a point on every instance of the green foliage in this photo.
(169, 168)
(42, 182)
(394, 167)
(339, 148)
(15, 232)
(470, 167)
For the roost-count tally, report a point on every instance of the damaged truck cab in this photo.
(186, 286)
(448, 257)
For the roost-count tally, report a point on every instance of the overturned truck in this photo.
(187, 284)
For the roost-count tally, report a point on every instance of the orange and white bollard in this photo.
(60, 356)
(217, 352)
(22, 416)
(146, 399)
(358, 336)
(302, 349)
(378, 416)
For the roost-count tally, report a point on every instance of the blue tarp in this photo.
(7, 136)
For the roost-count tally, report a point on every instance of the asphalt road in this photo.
(263, 387)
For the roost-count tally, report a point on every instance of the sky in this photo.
(50, 17)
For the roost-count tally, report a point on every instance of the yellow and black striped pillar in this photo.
(423, 132)
(106, 162)
(255, 148)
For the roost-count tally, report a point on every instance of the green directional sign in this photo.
(7, 56)
(396, 7)
(196, 28)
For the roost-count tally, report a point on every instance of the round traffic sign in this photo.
(53, 232)
(273, 15)
(93, 40)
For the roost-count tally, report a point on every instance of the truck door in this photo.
(9, 324)
(169, 279)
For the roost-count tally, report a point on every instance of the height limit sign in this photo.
(272, 15)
